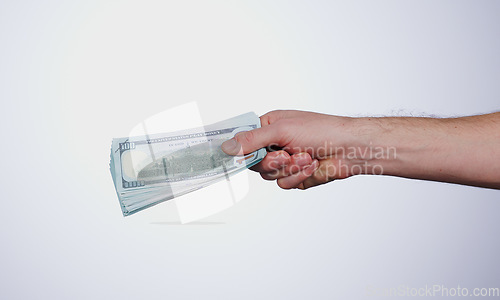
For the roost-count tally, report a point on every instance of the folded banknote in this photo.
(151, 169)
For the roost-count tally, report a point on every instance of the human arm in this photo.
(458, 150)
(463, 150)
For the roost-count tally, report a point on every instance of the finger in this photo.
(294, 180)
(297, 163)
(249, 141)
(328, 171)
(313, 181)
(272, 161)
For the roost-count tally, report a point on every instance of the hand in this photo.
(303, 147)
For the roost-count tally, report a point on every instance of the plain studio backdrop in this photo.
(75, 74)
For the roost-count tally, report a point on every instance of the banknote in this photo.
(150, 169)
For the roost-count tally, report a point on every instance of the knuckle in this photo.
(310, 182)
(249, 136)
(272, 166)
(245, 137)
(306, 184)
(320, 175)
(272, 116)
(266, 119)
(269, 175)
(282, 184)
(265, 176)
(319, 179)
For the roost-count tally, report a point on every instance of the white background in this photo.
(75, 74)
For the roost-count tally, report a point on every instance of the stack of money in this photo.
(151, 169)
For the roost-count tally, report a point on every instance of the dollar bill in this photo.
(150, 169)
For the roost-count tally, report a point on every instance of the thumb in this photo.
(249, 141)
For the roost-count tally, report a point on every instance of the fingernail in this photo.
(309, 170)
(231, 147)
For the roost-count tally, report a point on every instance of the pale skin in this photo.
(313, 149)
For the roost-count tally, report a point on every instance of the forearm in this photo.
(458, 150)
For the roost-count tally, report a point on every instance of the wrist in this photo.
(378, 146)
(404, 146)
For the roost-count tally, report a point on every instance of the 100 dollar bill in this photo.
(151, 169)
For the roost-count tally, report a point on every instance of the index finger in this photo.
(249, 141)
